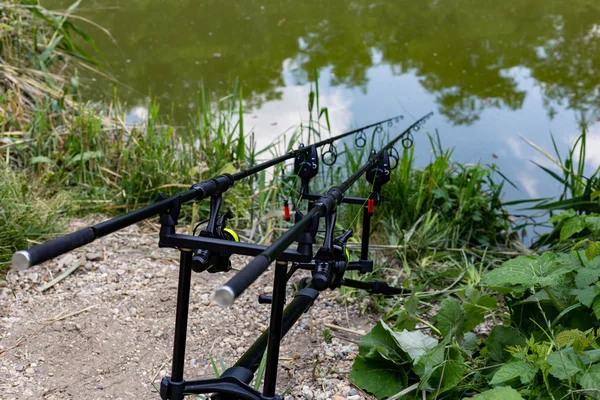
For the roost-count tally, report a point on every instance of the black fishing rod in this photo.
(326, 205)
(24, 259)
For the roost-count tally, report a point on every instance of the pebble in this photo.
(353, 397)
(30, 372)
(97, 256)
(19, 367)
(307, 392)
(102, 268)
(120, 271)
(67, 259)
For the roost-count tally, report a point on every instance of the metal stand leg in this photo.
(183, 302)
(275, 328)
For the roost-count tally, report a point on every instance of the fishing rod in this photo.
(327, 268)
(24, 259)
(325, 206)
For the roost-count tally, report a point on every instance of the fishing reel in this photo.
(213, 261)
(331, 263)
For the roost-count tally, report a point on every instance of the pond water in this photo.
(489, 69)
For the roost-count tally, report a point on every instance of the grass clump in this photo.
(26, 214)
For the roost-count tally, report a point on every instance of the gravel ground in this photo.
(106, 331)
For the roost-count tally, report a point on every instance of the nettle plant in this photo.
(548, 349)
(554, 302)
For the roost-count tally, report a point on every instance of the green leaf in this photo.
(592, 250)
(516, 369)
(86, 156)
(596, 307)
(475, 316)
(325, 111)
(590, 356)
(381, 337)
(44, 56)
(573, 337)
(41, 160)
(564, 364)
(585, 296)
(451, 318)
(380, 377)
(489, 302)
(528, 271)
(405, 321)
(591, 378)
(415, 344)
(441, 367)
(501, 337)
(411, 304)
(570, 213)
(540, 296)
(469, 344)
(571, 227)
(592, 222)
(228, 168)
(427, 363)
(499, 393)
(586, 276)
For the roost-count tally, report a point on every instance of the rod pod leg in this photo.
(172, 387)
(275, 327)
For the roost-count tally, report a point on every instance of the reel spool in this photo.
(211, 261)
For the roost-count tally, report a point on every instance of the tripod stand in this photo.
(235, 381)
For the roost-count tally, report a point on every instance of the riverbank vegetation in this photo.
(483, 315)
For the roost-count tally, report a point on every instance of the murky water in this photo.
(489, 69)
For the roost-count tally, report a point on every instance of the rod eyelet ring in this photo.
(329, 156)
(408, 141)
(360, 140)
(394, 155)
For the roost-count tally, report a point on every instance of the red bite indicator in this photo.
(286, 210)
(371, 206)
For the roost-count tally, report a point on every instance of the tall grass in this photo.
(51, 136)
(27, 214)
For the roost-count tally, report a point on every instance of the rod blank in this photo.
(225, 295)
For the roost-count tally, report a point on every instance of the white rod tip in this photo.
(224, 296)
(21, 260)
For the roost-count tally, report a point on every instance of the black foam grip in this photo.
(45, 251)
(243, 279)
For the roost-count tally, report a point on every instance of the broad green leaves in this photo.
(565, 364)
(451, 318)
(591, 378)
(527, 271)
(383, 355)
(499, 393)
(513, 370)
(387, 358)
(380, 377)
